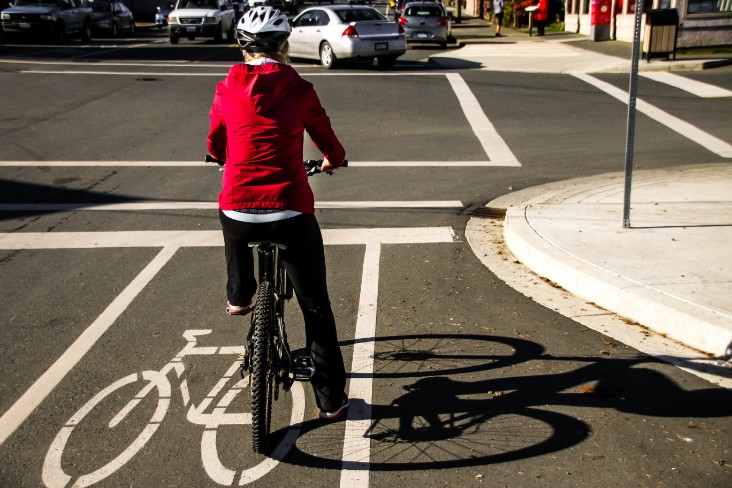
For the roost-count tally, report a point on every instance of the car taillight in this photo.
(442, 21)
(350, 31)
(402, 20)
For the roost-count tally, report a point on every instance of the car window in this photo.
(358, 14)
(423, 11)
(304, 20)
(320, 18)
(207, 4)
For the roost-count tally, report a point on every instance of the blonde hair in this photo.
(281, 56)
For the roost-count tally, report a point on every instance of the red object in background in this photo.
(600, 12)
(541, 12)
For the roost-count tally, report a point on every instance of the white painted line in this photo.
(698, 88)
(141, 206)
(684, 128)
(351, 164)
(493, 145)
(357, 445)
(91, 164)
(212, 238)
(33, 397)
(221, 74)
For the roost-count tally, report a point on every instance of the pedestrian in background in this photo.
(540, 16)
(498, 14)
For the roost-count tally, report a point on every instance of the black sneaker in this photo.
(333, 416)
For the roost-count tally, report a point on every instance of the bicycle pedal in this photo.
(303, 368)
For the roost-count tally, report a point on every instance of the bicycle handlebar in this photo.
(312, 166)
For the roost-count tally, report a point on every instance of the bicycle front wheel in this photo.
(262, 383)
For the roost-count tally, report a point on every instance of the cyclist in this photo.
(257, 122)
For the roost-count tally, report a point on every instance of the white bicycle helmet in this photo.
(263, 28)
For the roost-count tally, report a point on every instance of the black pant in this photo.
(304, 260)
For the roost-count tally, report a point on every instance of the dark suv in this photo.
(56, 19)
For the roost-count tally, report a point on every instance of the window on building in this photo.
(708, 6)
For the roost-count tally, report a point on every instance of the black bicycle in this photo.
(267, 357)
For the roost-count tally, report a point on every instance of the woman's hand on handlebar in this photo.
(326, 167)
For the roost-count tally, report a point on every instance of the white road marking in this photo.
(212, 238)
(356, 445)
(140, 206)
(493, 145)
(170, 241)
(687, 130)
(698, 88)
(220, 74)
(143, 164)
(33, 397)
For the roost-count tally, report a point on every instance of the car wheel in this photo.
(86, 31)
(327, 56)
(219, 35)
(174, 39)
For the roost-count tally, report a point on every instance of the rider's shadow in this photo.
(426, 412)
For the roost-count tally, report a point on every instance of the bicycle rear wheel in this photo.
(262, 370)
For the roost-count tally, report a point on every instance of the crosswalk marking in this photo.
(142, 206)
(703, 90)
(684, 128)
(212, 238)
(351, 164)
(493, 144)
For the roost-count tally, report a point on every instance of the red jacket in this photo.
(541, 12)
(258, 117)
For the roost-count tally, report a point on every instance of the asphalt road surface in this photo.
(113, 284)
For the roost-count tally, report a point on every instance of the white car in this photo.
(346, 32)
(202, 18)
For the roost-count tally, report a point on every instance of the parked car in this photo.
(339, 32)
(426, 22)
(161, 16)
(112, 17)
(202, 18)
(55, 19)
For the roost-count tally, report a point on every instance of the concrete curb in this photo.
(539, 228)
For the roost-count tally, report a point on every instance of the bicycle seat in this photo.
(267, 243)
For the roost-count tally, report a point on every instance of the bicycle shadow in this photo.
(445, 422)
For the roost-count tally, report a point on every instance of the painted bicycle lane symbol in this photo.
(159, 383)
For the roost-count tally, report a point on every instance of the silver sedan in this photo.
(340, 32)
(426, 22)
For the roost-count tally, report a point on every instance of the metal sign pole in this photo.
(633, 90)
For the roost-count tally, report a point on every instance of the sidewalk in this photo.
(556, 52)
(671, 271)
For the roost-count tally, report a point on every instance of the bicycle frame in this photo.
(271, 270)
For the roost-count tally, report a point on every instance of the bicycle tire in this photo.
(262, 372)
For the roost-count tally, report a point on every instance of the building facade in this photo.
(701, 22)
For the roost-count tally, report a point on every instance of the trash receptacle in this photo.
(661, 33)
